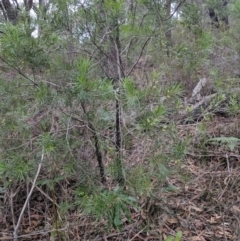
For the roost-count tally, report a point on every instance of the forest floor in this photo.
(205, 204)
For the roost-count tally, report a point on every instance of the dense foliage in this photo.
(91, 96)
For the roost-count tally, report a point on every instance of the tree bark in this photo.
(218, 14)
(112, 63)
(10, 11)
(168, 32)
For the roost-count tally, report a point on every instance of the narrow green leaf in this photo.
(169, 238)
(178, 236)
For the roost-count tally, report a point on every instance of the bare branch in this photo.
(175, 10)
(19, 71)
(140, 55)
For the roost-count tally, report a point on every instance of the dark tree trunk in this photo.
(113, 69)
(214, 18)
(168, 32)
(28, 4)
(219, 15)
(10, 11)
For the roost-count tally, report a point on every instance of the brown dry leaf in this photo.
(235, 209)
(195, 208)
(198, 223)
(197, 238)
(164, 217)
(35, 223)
(214, 220)
(164, 236)
(143, 216)
(226, 180)
(209, 234)
(164, 230)
(224, 232)
(28, 230)
(172, 221)
(186, 233)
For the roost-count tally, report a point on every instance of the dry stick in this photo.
(137, 234)
(12, 211)
(12, 195)
(45, 194)
(15, 233)
(29, 215)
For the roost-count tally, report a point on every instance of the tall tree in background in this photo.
(10, 10)
(218, 13)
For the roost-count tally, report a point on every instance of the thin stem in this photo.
(15, 233)
(19, 71)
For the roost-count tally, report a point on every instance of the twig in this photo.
(143, 47)
(175, 10)
(11, 202)
(15, 233)
(29, 215)
(19, 71)
(136, 235)
(12, 195)
(228, 166)
(47, 196)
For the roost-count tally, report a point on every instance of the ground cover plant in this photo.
(119, 120)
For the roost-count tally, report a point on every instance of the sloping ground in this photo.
(205, 205)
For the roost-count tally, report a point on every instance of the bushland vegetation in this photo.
(119, 120)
